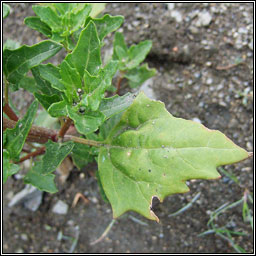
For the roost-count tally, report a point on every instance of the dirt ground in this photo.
(204, 57)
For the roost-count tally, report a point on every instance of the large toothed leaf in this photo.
(15, 138)
(106, 24)
(86, 55)
(87, 121)
(150, 153)
(138, 75)
(36, 23)
(41, 175)
(18, 62)
(96, 86)
(8, 168)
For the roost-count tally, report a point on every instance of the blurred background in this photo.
(203, 53)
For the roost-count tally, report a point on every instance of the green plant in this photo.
(142, 151)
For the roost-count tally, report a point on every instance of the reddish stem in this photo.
(9, 112)
(38, 152)
(118, 86)
(65, 127)
(36, 134)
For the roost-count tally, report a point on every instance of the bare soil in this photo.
(205, 73)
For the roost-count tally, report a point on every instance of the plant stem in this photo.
(9, 112)
(65, 127)
(36, 134)
(6, 91)
(118, 85)
(38, 152)
(42, 135)
(82, 141)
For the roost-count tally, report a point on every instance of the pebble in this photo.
(24, 237)
(20, 250)
(171, 6)
(176, 15)
(30, 196)
(204, 19)
(197, 120)
(60, 208)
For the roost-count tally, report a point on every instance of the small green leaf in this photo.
(45, 100)
(41, 175)
(42, 85)
(78, 17)
(95, 86)
(120, 48)
(116, 104)
(8, 168)
(150, 153)
(71, 79)
(36, 23)
(48, 16)
(64, 8)
(6, 10)
(106, 24)
(137, 53)
(51, 74)
(86, 55)
(15, 138)
(28, 83)
(58, 109)
(86, 122)
(81, 155)
(138, 75)
(54, 155)
(42, 182)
(18, 62)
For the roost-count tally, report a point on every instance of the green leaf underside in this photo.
(18, 62)
(150, 153)
(15, 138)
(8, 168)
(41, 175)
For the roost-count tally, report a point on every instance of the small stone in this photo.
(250, 45)
(197, 120)
(171, 6)
(204, 19)
(176, 15)
(60, 208)
(209, 80)
(24, 237)
(249, 146)
(194, 30)
(94, 200)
